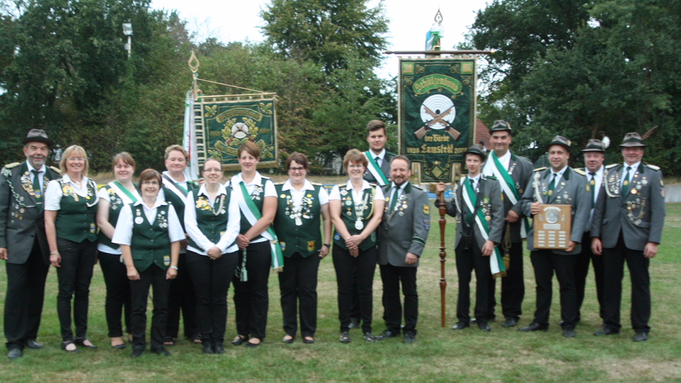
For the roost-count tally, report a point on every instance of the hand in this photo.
(184, 243)
(353, 240)
(55, 260)
(411, 259)
(597, 246)
(440, 187)
(324, 252)
(133, 275)
(535, 208)
(354, 251)
(214, 253)
(651, 250)
(242, 241)
(571, 246)
(487, 248)
(171, 273)
(512, 216)
(3, 253)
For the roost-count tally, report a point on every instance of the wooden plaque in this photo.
(552, 227)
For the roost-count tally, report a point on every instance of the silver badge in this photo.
(139, 220)
(359, 225)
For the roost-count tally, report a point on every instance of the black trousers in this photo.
(512, 285)
(363, 268)
(251, 298)
(24, 299)
(154, 277)
(75, 274)
(468, 260)
(118, 296)
(581, 272)
(391, 277)
(298, 283)
(545, 262)
(181, 299)
(638, 264)
(211, 280)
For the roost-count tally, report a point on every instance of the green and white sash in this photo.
(375, 169)
(496, 261)
(252, 214)
(508, 186)
(175, 187)
(124, 194)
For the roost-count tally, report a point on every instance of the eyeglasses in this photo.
(74, 159)
(297, 169)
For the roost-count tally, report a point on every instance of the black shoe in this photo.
(534, 327)
(81, 342)
(253, 345)
(354, 323)
(33, 345)
(137, 352)
(208, 349)
(288, 339)
(308, 339)
(345, 337)
(493, 318)
(409, 338)
(15, 352)
(219, 348)
(607, 331)
(569, 333)
(239, 340)
(641, 337)
(578, 321)
(460, 326)
(510, 322)
(484, 327)
(161, 351)
(386, 334)
(369, 338)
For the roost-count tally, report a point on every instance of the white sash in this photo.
(121, 194)
(377, 173)
(509, 194)
(493, 264)
(244, 207)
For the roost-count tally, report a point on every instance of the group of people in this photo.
(616, 215)
(189, 241)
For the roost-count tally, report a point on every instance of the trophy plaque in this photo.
(552, 227)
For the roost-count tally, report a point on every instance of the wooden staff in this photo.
(443, 255)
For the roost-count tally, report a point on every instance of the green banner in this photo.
(224, 123)
(437, 114)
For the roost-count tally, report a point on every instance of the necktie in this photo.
(378, 159)
(625, 185)
(552, 185)
(593, 188)
(36, 186)
(393, 201)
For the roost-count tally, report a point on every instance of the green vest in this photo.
(349, 219)
(305, 238)
(76, 215)
(177, 201)
(115, 206)
(211, 222)
(150, 244)
(258, 197)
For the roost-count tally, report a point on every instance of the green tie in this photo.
(36, 187)
(552, 185)
(593, 189)
(393, 201)
(625, 185)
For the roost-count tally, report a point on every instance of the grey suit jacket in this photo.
(404, 229)
(385, 168)
(21, 220)
(638, 215)
(488, 193)
(572, 190)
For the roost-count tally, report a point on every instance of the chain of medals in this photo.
(358, 209)
(296, 212)
(204, 204)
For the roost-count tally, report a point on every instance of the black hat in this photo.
(476, 149)
(562, 141)
(500, 126)
(37, 135)
(632, 140)
(594, 145)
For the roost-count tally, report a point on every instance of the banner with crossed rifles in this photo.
(437, 114)
(223, 123)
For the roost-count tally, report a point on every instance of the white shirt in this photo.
(269, 191)
(474, 181)
(504, 160)
(634, 167)
(227, 242)
(356, 195)
(297, 196)
(559, 175)
(380, 156)
(123, 233)
(400, 190)
(53, 192)
(104, 195)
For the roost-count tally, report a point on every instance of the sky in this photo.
(231, 21)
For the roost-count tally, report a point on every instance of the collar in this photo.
(67, 179)
(158, 203)
(634, 167)
(380, 155)
(404, 187)
(599, 172)
(476, 178)
(365, 185)
(30, 167)
(221, 190)
(505, 158)
(257, 180)
(559, 174)
(289, 186)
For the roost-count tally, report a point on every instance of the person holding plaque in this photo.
(356, 211)
(478, 210)
(627, 226)
(557, 185)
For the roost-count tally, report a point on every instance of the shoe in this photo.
(493, 318)
(85, 342)
(239, 340)
(288, 339)
(33, 345)
(607, 331)
(484, 327)
(65, 346)
(510, 322)
(161, 351)
(137, 352)
(409, 338)
(533, 327)
(207, 349)
(119, 346)
(369, 338)
(578, 321)
(460, 326)
(253, 345)
(345, 337)
(569, 333)
(169, 342)
(196, 339)
(641, 337)
(219, 348)
(15, 353)
(308, 340)
(386, 334)
(354, 323)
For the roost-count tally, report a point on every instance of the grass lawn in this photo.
(440, 354)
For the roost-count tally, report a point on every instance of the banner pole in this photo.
(442, 207)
